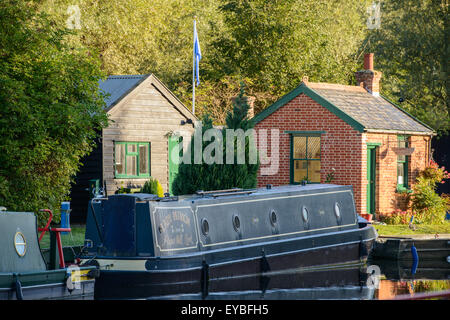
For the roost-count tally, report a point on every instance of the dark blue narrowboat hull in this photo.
(246, 273)
(146, 248)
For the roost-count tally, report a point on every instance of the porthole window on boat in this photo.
(305, 214)
(205, 226)
(236, 222)
(337, 210)
(20, 244)
(273, 217)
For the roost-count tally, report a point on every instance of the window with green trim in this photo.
(402, 164)
(305, 158)
(131, 159)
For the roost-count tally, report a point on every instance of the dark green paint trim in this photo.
(371, 180)
(291, 163)
(302, 88)
(291, 154)
(405, 185)
(136, 154)
(373, 144)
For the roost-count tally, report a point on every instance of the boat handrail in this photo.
(201, 192)
(225, 192)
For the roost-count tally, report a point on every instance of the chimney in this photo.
(368, 78)
(250, 102)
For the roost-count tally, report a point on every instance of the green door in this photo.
(371, 176)
(174, 158)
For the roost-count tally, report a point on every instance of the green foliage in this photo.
(50, 108)
(396, 217)
(153, 186)
(411, 48)
(193, 177)
(269, 45)
(330, 176)
(425, 202)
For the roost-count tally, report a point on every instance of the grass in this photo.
(402, 229)
(74, 238)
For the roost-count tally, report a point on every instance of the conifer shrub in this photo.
(153, 186)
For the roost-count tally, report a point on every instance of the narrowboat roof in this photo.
(242, 193)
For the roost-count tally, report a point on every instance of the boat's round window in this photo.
(337, 210)
(205, 226)
(20, 244)
(305, 214)
(236, 222)
(273, 217)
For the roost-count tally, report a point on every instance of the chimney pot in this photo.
(368, 61)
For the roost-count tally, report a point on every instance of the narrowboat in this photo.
(146, 246)
(346, 282)
(26, 275)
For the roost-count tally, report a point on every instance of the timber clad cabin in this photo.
(146, 121)
(350, 132)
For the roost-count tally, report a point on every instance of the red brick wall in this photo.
(343, 149)
(387, 199)
(341, 145)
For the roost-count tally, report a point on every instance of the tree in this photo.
(50, 108)
(411, 48)
(269, 45)
(223, 173)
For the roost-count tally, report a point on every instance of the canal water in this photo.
(374, 280)
(401, 278)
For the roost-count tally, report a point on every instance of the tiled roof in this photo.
(371, 111)
(354, 105)
(119, 86)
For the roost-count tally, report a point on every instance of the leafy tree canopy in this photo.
(412, 49)
(50, 107)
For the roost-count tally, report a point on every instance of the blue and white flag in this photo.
(197, 55)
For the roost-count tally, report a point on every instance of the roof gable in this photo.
(355, 106)
(122, 86)
(302, 88)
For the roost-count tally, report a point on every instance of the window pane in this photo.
(143, 159)
(313, 147)
(131, 148)
(299, 146)
(314, 171)
(402, 144)
(300, 170)
(400, 173)
(131, 165)
(119, 157)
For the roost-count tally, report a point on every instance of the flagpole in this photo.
(193, 72)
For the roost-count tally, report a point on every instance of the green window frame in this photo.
(305, 156)
(402, 164)
(132, 159)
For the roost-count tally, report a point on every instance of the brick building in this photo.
(347, 134)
